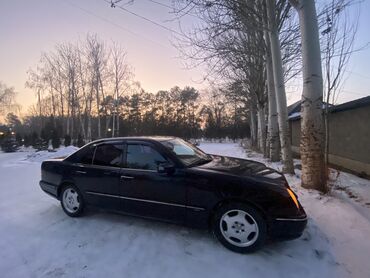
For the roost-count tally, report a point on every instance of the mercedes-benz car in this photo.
(242, 202)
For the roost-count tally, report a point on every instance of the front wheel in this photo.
(71, 200)
(239, 227)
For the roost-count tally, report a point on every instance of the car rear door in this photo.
(145, 192)
(100, 180)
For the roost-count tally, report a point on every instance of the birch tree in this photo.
(312, 132)
(97, 61)
(228, 42)
(35, 82)
(121, 74)
(7, 99)
(286, 148)
(74, 84)
(273, 127)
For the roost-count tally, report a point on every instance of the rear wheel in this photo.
(239, 227)
(71, 200)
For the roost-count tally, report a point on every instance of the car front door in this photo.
(100, 180)
(145, 191)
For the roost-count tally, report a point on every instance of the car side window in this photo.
(141, 156)
(83, 156)
(109, 155)
(87, 157)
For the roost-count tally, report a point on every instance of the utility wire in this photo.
(144, 18)
(161, 4)
(171, 8)
(358, 74)
(113, 23)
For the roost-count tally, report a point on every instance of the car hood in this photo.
(241, 167)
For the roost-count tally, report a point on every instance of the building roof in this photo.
(294, 110)
(357, 103)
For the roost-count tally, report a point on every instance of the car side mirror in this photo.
(165, 168)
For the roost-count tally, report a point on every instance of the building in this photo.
(349, 134)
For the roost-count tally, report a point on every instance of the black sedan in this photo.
(242, 201)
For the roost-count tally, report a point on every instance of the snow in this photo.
(38, 240)
(59, 153)
(294, 115)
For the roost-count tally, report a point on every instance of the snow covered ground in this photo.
(38, 240)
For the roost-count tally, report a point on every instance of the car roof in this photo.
(143, 138)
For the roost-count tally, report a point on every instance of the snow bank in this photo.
(59, 153)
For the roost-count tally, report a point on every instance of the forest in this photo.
(86, 91)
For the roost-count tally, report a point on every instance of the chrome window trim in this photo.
(292, 219)
(135, 169)
(94, 166)
(145, 200)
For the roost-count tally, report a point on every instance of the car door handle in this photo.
(127, 178)
(81, 172)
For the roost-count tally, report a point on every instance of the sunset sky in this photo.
(28, 28)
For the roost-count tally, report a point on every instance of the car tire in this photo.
(239, 227)
(72, 201)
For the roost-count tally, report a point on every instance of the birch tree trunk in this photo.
(312, 132)
(73, 103)
(277, 64)
(113, 124)
(107, 124)
(253, 125)
(265, 117)
(40, 109)
(273, 127)
(68, 112)
(261, 128)
(61, 96)
(98, 107)
(89, 102)
(118, 118)
(88, 135)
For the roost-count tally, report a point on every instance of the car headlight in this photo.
(294, 198)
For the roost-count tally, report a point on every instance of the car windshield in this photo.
(186, 152)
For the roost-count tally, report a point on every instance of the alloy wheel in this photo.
(71, 200)
(239, 228)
